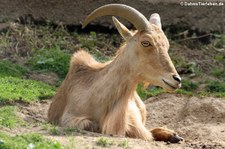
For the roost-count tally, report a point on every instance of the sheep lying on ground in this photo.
(102, 97)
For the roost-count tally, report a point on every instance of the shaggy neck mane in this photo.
(118, 78)
(115, 87)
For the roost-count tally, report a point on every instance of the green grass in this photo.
(218, 72)
(124, 144)
(16, 89)
(7, 68)
(53, 59)
(220, 42)
(94, 44)
(184, 92)
(89, 41)
(219, 58)
(8, 117)
(215, 87)
(212, 88)
(54, 131)
(187, 88)
(188, 85)
(146, 93)
(26, 141)
(104, 142)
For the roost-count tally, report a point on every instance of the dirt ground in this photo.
(200, 121)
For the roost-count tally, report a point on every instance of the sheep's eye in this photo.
(145, 43)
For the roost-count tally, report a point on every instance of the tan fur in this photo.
(102, 97)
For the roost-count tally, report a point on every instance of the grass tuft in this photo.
(27, 141)
(16, 89)
(8, 117)
(188, 85)
(220, 73)
(7, 68)
(104, 142)
(124, 144)
(215, 87)
(149, 92)
(53, 59)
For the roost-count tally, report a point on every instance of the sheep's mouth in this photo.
(167, 83)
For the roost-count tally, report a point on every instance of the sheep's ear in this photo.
(124, 32)
(155, 19)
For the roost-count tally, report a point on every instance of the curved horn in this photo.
(121, 10)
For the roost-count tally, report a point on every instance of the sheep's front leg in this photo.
(141, 106)
(81, 122)
(137, 130)
(137, 116)
(114, 120)
(164, 134)
(114, 123)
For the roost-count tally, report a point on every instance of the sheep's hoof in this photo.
(175, 139)
(164, 134)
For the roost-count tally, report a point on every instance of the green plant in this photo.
(91, 43)
(8, 68)
(88, 41)
(72, 143)
(53, 59)
(220, 42)
(16, 89)
(215, 87)
(219, 72)
(8, 117)
(188, 85)
(149, 92)
(124, 144)
(220, 58)
(187, 67)
(104, 142)
(27, 141)
(72, 130)
(181, 91)
(54, 130)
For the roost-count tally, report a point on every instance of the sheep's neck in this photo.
(120, 80)
(118, 86)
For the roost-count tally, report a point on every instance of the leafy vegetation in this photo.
(13, 87)
(219, 72)
(124, 144)
(53, 59)
(88, 42)
(54, 131)
(93, 44)
(7, 68)
(26, 141)
(215, 87)
(16, 89)
(220, 42)
(104, 142)
(8, 117)
(149, 92)
(188, 85)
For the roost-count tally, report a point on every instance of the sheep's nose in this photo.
(177, 78)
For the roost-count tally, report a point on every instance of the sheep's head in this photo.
(148, 46)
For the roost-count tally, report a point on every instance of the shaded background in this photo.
(202, 18)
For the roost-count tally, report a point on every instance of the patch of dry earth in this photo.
(200, 121)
